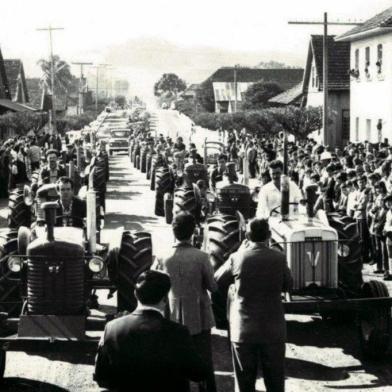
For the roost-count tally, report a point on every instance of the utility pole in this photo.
(235, 87)
(81, 87)
(327, 139)
(52, 113)
(97, 85)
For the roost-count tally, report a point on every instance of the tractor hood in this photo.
(299, 229)
(73, 235)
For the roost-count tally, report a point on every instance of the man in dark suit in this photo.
(71, 210)
(143, 351)
(51, 172)
(256, 314)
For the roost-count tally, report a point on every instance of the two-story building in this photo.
(16, 80)
(371, 78)
(226, 81)
(338, 87)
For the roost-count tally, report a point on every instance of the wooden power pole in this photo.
(97, 67)
(327, 139)
(81, 87)
(52, 113)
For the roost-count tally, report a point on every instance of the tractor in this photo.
(47, 276)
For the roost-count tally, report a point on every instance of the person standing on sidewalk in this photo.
(258, 275)
(191, 276)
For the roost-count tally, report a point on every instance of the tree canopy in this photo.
(258, 94)
(169, 83)
(120, 100)
(62, 74)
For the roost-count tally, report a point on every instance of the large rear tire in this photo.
(168, 206)
(10, 285)
(163, 184)
(186, 201)
(3, 359)
(375, 322)
(134, 257)
(19, 214)
(223, 239)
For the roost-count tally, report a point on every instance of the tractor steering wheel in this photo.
(276, 210)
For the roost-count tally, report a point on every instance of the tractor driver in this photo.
(51, 172)
(71, 210)
(270, 193)
(217, 173)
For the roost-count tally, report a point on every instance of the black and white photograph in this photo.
(196, 196)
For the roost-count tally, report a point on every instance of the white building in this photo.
(371, 78)
(227, 80)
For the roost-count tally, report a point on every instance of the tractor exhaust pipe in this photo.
(285, 183)
(91, 220)
(50, 218)
(311, 197)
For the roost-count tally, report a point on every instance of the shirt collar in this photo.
(141, 307)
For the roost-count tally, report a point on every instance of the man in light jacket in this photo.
(192, 277)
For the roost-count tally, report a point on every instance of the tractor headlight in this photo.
(343, 250)
(14, 263)
(210, 197)
(96, 264)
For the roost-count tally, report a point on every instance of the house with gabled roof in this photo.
(4, 87)
(338, 87)
(227, 80)
(292, 96)
(370, 78)
(16, 80)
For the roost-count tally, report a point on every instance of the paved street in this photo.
(320, 356)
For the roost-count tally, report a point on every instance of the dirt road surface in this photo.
(320, 356)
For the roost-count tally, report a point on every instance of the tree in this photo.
(205, 95)
(258, 94)
(120, 100)
(300, 122)
(22, 122)
(169, 82)
(62, 74)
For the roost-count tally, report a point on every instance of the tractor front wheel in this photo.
(375, 322)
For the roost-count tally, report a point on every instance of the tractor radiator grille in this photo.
(55, 280)
(313, 263)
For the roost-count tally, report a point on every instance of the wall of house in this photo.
(225, 92)
(337, 102)
(371, 97)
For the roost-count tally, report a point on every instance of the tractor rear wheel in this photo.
(168, 207)
(163, 184)
(349, 254)
(148, 166)
(143, 160)
(186, 201)
(223, 239)
(19, 214)
(134, 257)
(375, 322)
(10, 295)
(3, 358)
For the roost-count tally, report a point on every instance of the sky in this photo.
(144, 38)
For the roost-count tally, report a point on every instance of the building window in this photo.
(368, 130)
(379, 58)
(367, 57)
(356, 129)
(356, 59)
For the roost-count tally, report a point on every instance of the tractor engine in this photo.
(55, 270)
(234, 197)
